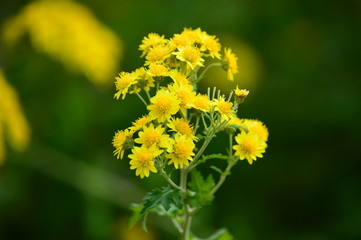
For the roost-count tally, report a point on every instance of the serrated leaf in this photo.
(165, 197)
(201, 187)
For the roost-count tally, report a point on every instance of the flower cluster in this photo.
(178, 116)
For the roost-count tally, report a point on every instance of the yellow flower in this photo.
(201, 102)
(153, 136)
(153, 39)
(158, 54)
(241, 93)
(144, 80)
(249, 146)
(224, 109)
(124, 82)
(231, 63)
(178, 77)
(184, 93)
(142, 159)
(191, 55)
(158, 70)
(122, 141)
(180, 40)
(69, 33)
(164, 105)
(211, 45)
(140, 123)
(234, 121)
(182, 127)
(193, 35)
(257, 127)
(181, 151)
(13, 123)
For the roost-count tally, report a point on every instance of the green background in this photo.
(306, 89)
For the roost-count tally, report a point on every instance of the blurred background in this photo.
(299, 59)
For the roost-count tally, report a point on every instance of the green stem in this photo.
(169, 180)
(141, 98)
(206, 69)
(147, 92)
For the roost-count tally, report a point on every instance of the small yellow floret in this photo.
(164, 105)
(249, 146)
(257, 127)
(181, 151)
(224, 109)
(124, 82)
(142, 159)
(182, 127)
(153, 136)
(122, 140)
(191, 55)
(153, 39)
(201, 102)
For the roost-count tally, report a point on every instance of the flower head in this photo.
(230, 63)
(164, 105)
(249, 146)
(224, 109)
(153, 136)
(257, 127)
(158, 70)
(153, 39)
(142, 159)
(190, 55)
(181, 151)
(241, 93)
(122, 140)
(184, 93)
(201, 102)
(140, 123)
(145, 81)
(158, 53)
(124, 82)
(182, 127)
(211, 45)
(179, 78)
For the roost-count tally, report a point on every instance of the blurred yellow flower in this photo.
(69, 33)
(12, 120)
(231, 63)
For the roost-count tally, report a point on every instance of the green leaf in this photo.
(201, 187)
(160, 199)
